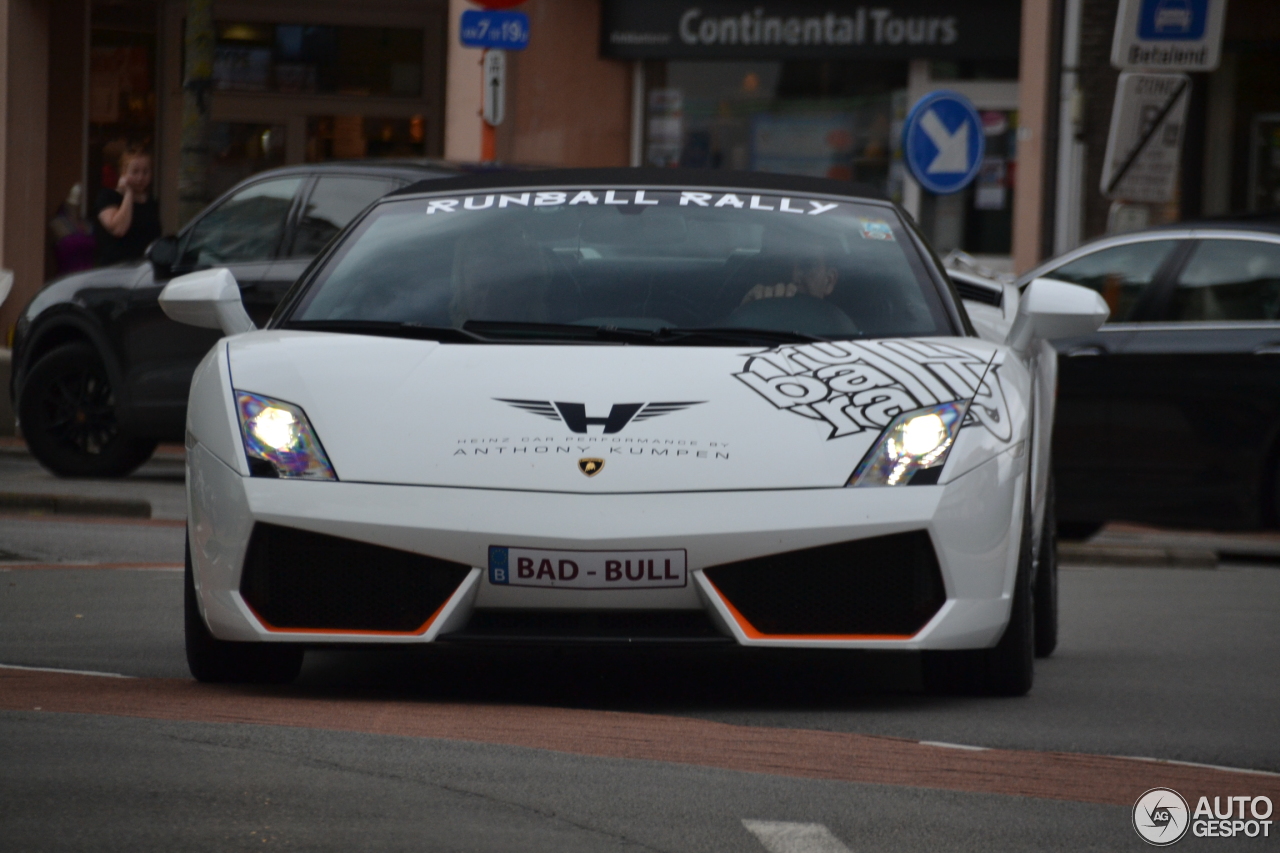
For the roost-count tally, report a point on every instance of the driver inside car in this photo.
(801, 302)
(501, 276)
(810, 276)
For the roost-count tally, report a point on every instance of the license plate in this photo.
(586, 569)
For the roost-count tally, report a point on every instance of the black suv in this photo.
(100, 374)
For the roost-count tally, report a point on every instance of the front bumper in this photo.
(972, 523)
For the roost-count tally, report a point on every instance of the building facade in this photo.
(292, 82)
(814, 87)
(1230, 160)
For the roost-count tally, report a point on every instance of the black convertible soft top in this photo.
(648, 177)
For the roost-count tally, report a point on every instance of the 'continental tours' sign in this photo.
(974, 29)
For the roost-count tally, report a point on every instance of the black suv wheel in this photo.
(68, 417)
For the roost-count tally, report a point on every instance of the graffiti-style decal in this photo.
(862, 385)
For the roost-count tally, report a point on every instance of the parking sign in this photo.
(1168, 35)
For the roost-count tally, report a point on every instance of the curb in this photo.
(11, 446)
(74, 505)
(1084, 554)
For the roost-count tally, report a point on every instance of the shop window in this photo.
(973, 69)
(348, 137)
(241, 149)
(304, 59)
(122, 93)
(818, 118)
(979, 219)
(1264, 162)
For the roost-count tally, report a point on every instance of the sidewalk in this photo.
(1121, 543)
(159, 486)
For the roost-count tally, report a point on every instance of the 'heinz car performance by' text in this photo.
(626, 405)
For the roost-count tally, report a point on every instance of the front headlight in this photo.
(279, 440)
(913, 442)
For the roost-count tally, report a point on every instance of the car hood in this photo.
(598, 418)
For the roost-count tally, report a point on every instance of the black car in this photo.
(100, 374)
(1170, 413)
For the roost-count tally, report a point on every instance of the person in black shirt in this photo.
(128, 217)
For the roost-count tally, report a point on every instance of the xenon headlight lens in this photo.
(279, 440)
(913, 441)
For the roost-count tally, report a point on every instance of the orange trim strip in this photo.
(417, 632)
(751, 631)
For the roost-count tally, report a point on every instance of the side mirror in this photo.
(1052, 309)
(209, 298)
(163, 254)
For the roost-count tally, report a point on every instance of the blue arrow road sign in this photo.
(942, 142)
(501, 30)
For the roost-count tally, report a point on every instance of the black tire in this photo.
(1006, 669)
(1046, 586)
(68, 416)
(220, 661)
(1010, 664)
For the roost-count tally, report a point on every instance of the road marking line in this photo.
(1199, 764)
(783, 837)
(941, 744)
(64, 671)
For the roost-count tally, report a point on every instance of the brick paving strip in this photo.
(610, 734)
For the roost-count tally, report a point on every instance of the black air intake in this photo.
(311, 581)
(886, 585)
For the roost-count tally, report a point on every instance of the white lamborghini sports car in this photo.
(619, 405)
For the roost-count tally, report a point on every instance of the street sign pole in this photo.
(494, 80)
(1144, 144)
(488, 136)
(495, 32)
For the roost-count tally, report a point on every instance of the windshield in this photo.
(634, 259)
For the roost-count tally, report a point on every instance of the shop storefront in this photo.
(821, 89)
(293, 82)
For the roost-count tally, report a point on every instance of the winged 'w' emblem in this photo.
(574, 415)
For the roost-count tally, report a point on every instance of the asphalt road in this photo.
(526, 749)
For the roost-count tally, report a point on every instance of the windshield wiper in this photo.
(512, 329)
(388, 329)
(730, 334)
(675, 335)
(495, 331)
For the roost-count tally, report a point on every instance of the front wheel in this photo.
(1008, 668)
(214, 660)
(68, 416)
